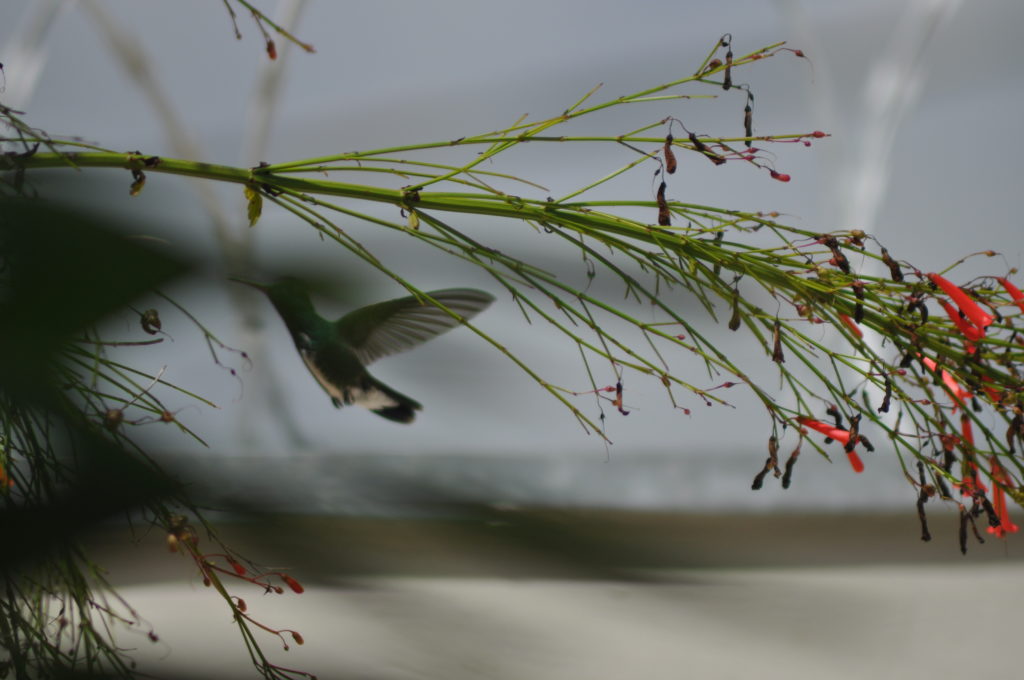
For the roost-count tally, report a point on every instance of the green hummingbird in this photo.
(338, 352)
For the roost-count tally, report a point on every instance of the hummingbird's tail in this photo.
(403, 410)
(384, 401)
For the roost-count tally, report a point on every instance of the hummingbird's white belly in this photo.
(371, 398)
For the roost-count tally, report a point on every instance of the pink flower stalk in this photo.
(841, 436)
(969, 307)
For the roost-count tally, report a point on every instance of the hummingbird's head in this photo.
(289, 295)
(290, 298)
(285, 288)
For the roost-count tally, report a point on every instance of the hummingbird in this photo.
(338, 352)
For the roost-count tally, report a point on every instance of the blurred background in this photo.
(494, 537)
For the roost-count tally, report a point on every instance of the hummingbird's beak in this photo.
(251, 284)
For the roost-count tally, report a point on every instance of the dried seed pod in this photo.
(617, 402)
(838, 259)
(748, 124)
(922, 498)
(894, 267)
(962, 533)
(139, 178)
(1014, 431)
(697, 144)
(887, 399)
(150, 321)
(777, 355)
(734, 320)
(670, 156)
(858, 292)
(759, 478)
(702, 148)
(837, 417)
(664, 216)
(854, 431)
(113, 418)
(787, 476)
(986, 506)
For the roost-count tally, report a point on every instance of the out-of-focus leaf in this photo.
(60, 271)
(108, 481)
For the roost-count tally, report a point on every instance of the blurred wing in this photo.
(394, 326)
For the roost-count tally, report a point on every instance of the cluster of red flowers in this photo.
(971, 321)
(181, 535)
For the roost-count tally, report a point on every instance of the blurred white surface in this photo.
(886, 622)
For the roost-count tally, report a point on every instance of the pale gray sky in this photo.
(922, 98)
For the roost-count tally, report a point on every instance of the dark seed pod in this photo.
(734, 321)
(670, 157)
(697, 144)
(894, 267)
(777, 355)
(664, 216)
(922, 498)
(887, 399)
(150, 321)
(962, 533)
(759, 478)
(858, 291)
(787, 476)
(748, 124)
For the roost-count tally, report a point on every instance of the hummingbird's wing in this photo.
(394, 326)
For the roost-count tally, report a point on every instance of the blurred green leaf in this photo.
(62, 270)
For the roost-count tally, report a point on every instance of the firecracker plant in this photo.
(872, 354)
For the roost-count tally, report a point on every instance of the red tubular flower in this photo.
(969, 307)
(969, 469)
(1014, 292)
(852, 325)
(967, 429)
(1001, 479)
(969, 331)
(972, 482)
(960, 394)
(841, 436)
(993, 394)
(292, 583)
(236, 565)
